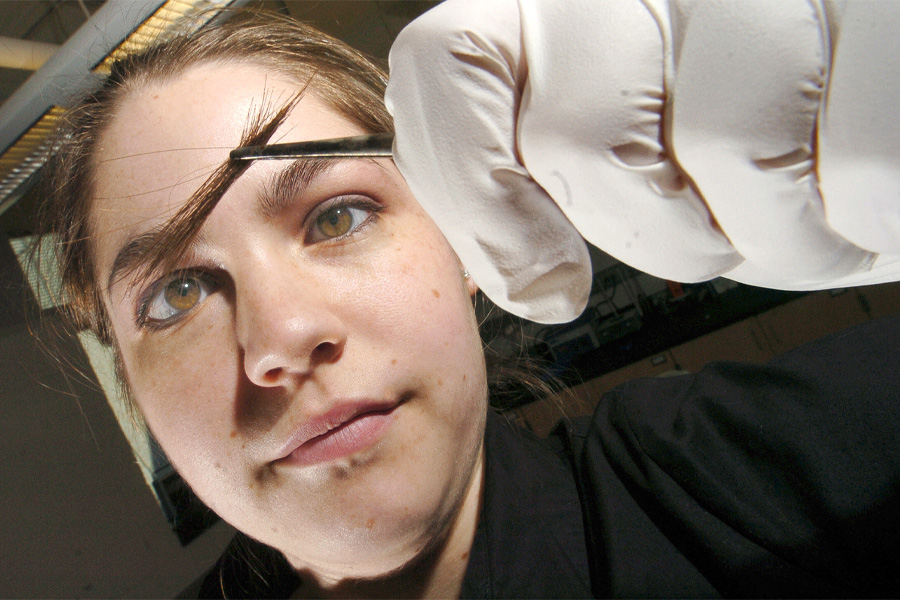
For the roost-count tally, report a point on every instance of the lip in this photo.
(342, 431)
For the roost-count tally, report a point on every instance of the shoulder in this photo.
(773, 478)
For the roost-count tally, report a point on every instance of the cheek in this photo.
(426, 313)
(421, 290)
(183, 386)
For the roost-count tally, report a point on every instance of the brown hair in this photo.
(342, 77)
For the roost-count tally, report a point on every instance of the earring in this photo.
(466, 274)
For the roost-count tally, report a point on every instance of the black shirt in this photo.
(780, 480)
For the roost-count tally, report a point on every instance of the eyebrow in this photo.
(292, 181)
(275, 197)
(133, 255)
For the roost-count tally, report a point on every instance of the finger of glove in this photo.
(859, 134)
(748, 83)
(883, 269)
(454, 96)
(590, 132)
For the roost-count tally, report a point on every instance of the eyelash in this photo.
(212, 283)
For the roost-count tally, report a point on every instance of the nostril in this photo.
(272, 376)
(325, 352)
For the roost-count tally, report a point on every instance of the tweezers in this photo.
(360, 146)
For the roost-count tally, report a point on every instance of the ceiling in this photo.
(47, 21)
(369, 25)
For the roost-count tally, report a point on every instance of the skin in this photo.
(291, 325)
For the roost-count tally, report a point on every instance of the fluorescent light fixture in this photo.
(28, 118)
(175, 16)
(26, 156)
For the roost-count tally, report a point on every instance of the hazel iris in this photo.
(183, 294)
(335, 222)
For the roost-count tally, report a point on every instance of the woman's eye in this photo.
(338, 221)
(176, 297)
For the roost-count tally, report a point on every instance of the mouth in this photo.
(340, 432)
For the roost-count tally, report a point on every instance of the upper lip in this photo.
(333, 418)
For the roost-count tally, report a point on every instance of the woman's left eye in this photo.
(176, 297)
(339, 220)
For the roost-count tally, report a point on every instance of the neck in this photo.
(438, 573)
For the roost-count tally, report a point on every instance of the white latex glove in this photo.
(754, 139)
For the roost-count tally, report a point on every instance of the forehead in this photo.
(167, 137)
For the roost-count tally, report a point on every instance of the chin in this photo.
(372, 542)
(370, 558)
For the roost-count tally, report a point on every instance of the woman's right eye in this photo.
(176, 297)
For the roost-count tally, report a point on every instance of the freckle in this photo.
(370, 523)
(393, 361)
(234, 433)
(218, 466)
(243, 446)
(465, 376)
(436, 293)
(440, 382)
(465, 555)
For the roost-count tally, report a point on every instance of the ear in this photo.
(470, 283)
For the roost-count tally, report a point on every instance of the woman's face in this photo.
(313, 367)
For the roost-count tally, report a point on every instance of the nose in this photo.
(287, 326)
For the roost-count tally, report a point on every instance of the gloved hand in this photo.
(687, 138)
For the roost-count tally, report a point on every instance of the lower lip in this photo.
(351, 437)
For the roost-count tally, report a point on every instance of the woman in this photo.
(285, 360)
(299, 338)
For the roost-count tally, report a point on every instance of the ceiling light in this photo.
(29, 117)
